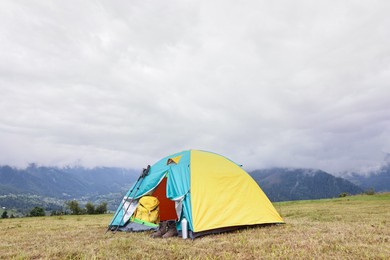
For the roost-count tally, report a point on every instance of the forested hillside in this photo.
(282, 184)
(69, 182)
(51, 187)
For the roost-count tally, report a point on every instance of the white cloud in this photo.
(301, 83)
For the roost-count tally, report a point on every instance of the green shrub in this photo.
(37, 212)
(343, 194)
(370, 191)
(74, 207)
(5, 214)
(101, 208)
(90, 208)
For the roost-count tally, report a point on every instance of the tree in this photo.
(56, 213)
(101, 208)
(90, 208)
(5, 214)
(74, 207)
(37, 212)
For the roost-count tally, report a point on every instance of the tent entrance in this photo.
(167, 206)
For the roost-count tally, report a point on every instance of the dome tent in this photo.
(210, 191)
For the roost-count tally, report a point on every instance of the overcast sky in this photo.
(265, 83)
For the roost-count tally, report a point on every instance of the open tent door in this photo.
(167, 206)
(166, 210)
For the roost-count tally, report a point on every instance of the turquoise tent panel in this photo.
(178, 185)
(156, 174)
(187, 213)
(179, 178)
(149, 182)
(118, 218)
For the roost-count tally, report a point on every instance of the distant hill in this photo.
(282, 184)
(69, 182)
(50, 187)
(377, 180)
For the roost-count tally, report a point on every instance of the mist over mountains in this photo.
(378, 180)
(50, 187)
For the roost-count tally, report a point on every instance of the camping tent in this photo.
(210, 191)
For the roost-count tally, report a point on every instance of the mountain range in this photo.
(51, 187)
(282, 184)
(64, 183)
(378, 180)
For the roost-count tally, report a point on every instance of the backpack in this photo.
(148, 210)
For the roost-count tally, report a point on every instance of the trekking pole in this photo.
(130, 193)
(141, 177)
(122, 203)
(145, 172)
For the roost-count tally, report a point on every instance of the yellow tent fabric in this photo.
(223, 195)
(175, 159)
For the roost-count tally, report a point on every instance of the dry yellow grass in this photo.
(349, 228)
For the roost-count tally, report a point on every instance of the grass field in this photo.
(355, 227)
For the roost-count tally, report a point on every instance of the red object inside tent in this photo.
(167, 206)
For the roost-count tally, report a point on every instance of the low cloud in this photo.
(295, 84)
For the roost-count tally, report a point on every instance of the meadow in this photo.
(353, 227)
